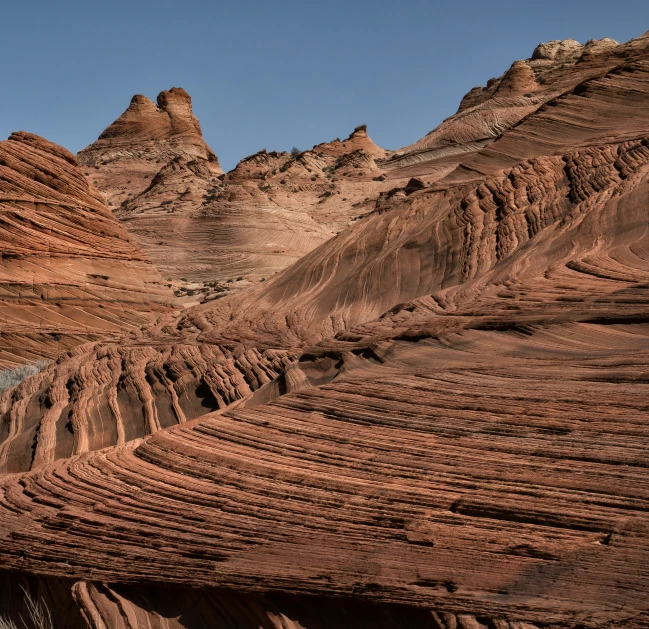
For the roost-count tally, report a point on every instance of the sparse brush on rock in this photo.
(9, 378)
(39, 616)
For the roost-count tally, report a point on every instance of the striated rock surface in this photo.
(486, 113)
(434, 419)
(479, 474)
(68, 273)
(98, 396)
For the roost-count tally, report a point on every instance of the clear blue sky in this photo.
(280, 73)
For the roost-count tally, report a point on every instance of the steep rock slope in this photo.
(485, 113)
(69, 272)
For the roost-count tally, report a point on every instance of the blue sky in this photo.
(275, 74)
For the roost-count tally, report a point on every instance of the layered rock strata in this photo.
(486, 113)
(69, 271)
(132, 150)
(489, 474)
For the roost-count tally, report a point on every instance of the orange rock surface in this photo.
(436, 418)
(69, 272)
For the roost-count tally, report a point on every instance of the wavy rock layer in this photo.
(497, 473)
(100, 396)
(560, 212)
(69, 273)
(486, 113)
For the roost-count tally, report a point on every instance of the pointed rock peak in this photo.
(359, 139)
(359, 132)
(176, 96)
(152, 133)
(141, 102)
(518, 80)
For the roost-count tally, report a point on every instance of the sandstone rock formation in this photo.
(434, 419)
(132, 150)
(485, 113)
(68, 273)
(206, 230)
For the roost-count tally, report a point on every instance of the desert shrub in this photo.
(295, 152)
(9, 378)
(39, 615)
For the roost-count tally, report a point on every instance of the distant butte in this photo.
(202, 228)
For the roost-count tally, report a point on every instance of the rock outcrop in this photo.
(69, 273)
(486, 113)
(132, 150)
(208, 231)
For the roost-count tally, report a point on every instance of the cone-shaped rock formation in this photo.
(69, 271)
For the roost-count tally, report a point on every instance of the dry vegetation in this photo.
(9, 378)
(39, 615)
